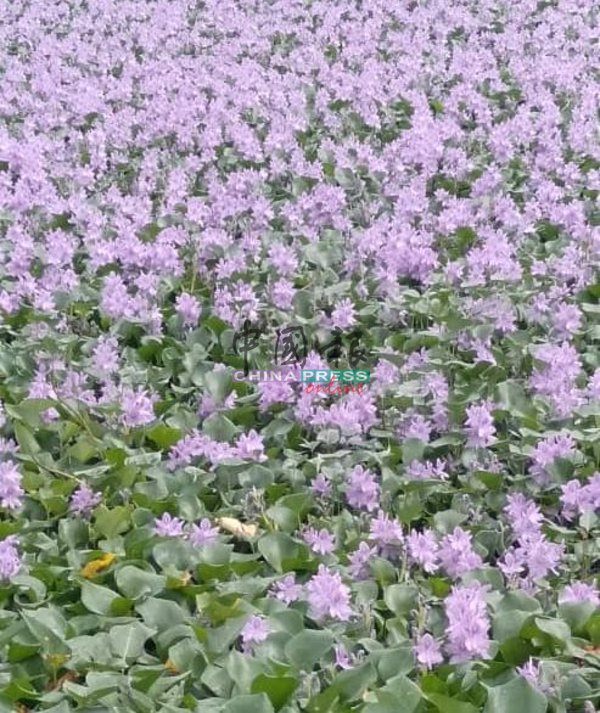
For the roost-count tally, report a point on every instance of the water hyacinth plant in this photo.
(190, 188)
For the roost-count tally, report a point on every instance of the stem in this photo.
(56, 471)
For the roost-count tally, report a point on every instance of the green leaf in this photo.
(383, 571)
(507, 625)
(412, 449)
(576, 614)
(593, 629)
(173, 554)
(97, 599)
(34, 587)
(445, 704)
(219, 427)
(352, 683)
(127, 640)
(48, 626)
(29, 411)
(399, 694)
(26, 440)
(136, 583)
(218, 384)
(401, 598)
(519, 601)
(161, 614)
(516, 696)
(84, 450)
(184, 653)
(491, 480)
(90, 649)
(163, 436)
(515, 651)
(110, 523)
(306, 648)
(512, 398)
(392, 661)
(279, 688)
(281, 551)
(410, 507)
(555, 628)
(446, 521)
(257, 703)
(576, 687)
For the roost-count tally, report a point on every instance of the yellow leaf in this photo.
(235, 527)
(170, 666)
(56, 660)
(186, 578)
(92, 568)
(183, 581)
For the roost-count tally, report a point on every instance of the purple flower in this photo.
(384, 377)
(343, 314)
(385, 532)
(417, 470)
(545, 452)
(168, 526)
(203, 534)
(456, 553)
(579, 592)
(328, 595)
(572, 498)
(83, 500)
(8, 446)
(105, 358)
(188, 308)
(250, 446)
(286, 589)
(274, 392)
(578, 498)
(359, 561)
(320, 485)
(423, 549)
(417, 427)
(540, 555)
(353, 414)
(524, 515)
(512, 564)
(362, 490)
(567, 319)
(593, 387)
(479, 426)
(282, 294)
(255, 630)
(283, 258)
(11, 492)
(208, 404)
(468, 623)
(10, 562)
(428, 651)
(341, 657)
(321, 541)
(532, 673)
(137, 407)
(556, 379)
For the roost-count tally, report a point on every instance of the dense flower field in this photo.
(183, 183)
